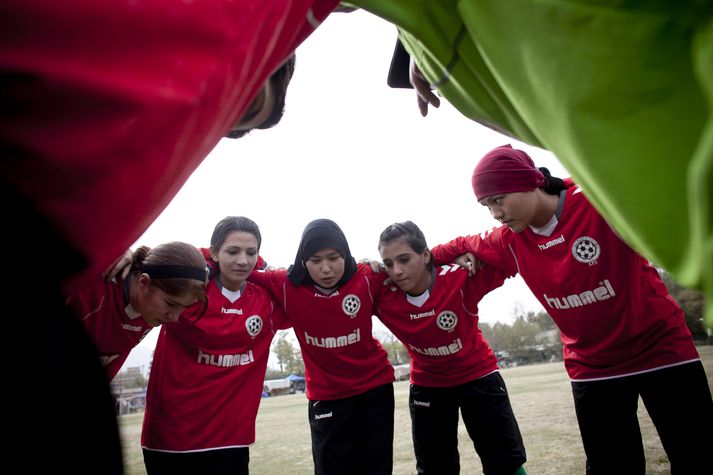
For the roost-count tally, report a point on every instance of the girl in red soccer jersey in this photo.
(329, 301)
(117, 314)
(624, 336)
(434, 312)
(207, 374)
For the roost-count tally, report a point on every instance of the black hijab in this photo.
(320, 234)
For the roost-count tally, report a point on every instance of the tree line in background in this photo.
(289, 359)
(693, 304)
(531, 338)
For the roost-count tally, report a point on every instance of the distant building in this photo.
(290, 385)
(127, 378)
(297, 383)
(402, 372)
(128, 397)
(276, 387)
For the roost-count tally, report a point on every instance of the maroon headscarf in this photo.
(505, 170)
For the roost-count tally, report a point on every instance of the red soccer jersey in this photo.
(613, 311)
(104, 98)
(207, 375)
(114, 326)
(341, 356)
(442, 335)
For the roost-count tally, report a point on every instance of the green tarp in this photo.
(620, 91)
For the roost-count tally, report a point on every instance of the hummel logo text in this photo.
(551, 243)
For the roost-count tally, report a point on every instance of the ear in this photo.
(426, 255)
(213, 254)
(144, 281)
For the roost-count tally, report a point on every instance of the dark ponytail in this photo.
(138, 258)
(553, 185)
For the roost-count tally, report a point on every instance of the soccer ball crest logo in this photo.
(351, 305)
(447, 320)
(254, 325)
(586, 249)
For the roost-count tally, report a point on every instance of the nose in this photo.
(173, 316)
(241, 258)
(497, 212)
(398, 269)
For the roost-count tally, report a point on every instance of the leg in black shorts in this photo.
(353, 435)
(488, 417)
(232, 461)
(678, 400)
(491, 424)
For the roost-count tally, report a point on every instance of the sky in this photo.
(351, 149)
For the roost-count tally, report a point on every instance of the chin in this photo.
(405, 287)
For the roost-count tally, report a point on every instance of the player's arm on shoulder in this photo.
(269, 279)
(488, 247)
(488, 279)
(374, 265)
(375, 272)
(452, 250)
(279, 318)
(120, 268)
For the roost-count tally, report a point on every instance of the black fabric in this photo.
(232, 461)
(678, 399)
(317, 235)
(61, 403)
(488, 417)
(354, 435)
(399, 70)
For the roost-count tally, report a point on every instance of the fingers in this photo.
(424, 95)
(125, 271)
(376, 266)
(468, 262)
(473, 263)
(120, 268)
(422, 106)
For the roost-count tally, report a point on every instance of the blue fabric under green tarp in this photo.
(620, 91)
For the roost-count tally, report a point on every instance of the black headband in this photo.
(174, 272)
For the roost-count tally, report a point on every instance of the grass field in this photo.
(540, 395)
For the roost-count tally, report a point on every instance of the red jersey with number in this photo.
(341, 356)
(114, 326)
(614, 313)
(442, 335)
(207, 374)
(109, 106)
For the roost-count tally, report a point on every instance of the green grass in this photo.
(540, 395)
